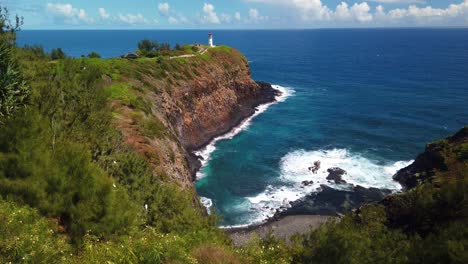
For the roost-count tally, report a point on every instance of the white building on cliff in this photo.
(210, 40)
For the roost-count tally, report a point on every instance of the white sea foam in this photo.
(295, 169)
(205, 153)
(207, 203)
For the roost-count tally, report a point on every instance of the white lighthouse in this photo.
(210, 40)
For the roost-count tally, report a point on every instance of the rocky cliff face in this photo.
(437, 157)
(191, 101)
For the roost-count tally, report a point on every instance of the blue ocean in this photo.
(364, 100)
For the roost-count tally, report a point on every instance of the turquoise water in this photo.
(363, 100)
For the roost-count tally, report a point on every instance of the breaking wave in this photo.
(205, 153)
(294, 169)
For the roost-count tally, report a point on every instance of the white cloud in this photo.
(172, 20)
(226, 18)
(454, 14)
(164, 9)
(361, 13)
(68, 13)
(254, 16)
(65, 10)
(132, 19)
(103, 13)
(210, 15)
(399, 1)
(237, 16)
(184, 19)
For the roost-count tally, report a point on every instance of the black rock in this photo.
(307, 183)
(335, 174)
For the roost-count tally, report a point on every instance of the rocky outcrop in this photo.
(181, 104)
(435, 158)
(336, 174)
(217, 100)
(330, 201)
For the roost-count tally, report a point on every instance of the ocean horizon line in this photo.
(251, 29)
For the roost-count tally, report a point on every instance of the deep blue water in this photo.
(366, 100)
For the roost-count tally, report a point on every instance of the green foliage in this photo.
(57, 54)
(13, 89)
(363, 238)
(94, 55)
(59, 179)
(267, 250)
(8, 28)
(148, 45)
(14, 92)
(153, 127)
(222, 48)
(34, 52)
(26, 237)
(462, 152)
(121, 92)
(146, 246)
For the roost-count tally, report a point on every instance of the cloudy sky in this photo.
(237, 14)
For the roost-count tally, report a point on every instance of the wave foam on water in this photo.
(294, 169)
(205, 153)
(207, 203)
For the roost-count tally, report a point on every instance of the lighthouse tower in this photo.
(210, 40)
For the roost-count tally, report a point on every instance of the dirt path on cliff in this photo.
(189, 55)
(283, 228)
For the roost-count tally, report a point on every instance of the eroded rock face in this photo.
(215, 102)
(193, 100)
(433, 159)
(336, 174)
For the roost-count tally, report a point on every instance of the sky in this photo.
(237, 14)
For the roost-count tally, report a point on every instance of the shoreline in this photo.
(283, 228)
(267, 97)
(201, 155)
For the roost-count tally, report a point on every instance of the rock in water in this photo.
(307, 183)
(335, 174)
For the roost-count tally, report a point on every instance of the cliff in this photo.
(166, 108)
(424, 224)
(437, 158)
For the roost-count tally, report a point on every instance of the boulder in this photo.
(307, 183)
(335, 174)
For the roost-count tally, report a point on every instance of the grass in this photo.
(153, 127)
(121, 92)
(223, 48)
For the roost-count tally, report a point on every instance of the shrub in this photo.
(26, 237)
(14, 92)
(57, 54)
(94, 55)
(212, 254)
(60, 180)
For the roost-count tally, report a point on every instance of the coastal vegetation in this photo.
(89, 172)
(152, 49)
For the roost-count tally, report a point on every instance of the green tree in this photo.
(94, 55)
(57, 54)
(165, 47)
(14, 92)
(154, 45)
(145, 45)
(8, 28)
